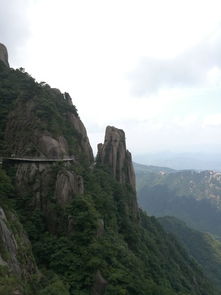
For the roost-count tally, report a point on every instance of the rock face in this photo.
(48, 184)
(42, 123)
(114, 154)
(23, 122)
(77, 124)
(4, 54)
(15, 252)
(53, 148)
(67, 186)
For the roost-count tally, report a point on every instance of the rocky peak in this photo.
(114, 154)
(4, 54)
(67, 97)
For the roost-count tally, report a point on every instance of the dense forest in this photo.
(202, 246)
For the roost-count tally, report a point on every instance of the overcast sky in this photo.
(152, 67)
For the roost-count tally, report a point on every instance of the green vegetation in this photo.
(194, 197)
(202, 246)
(98, 231)
(27, 108)
(134, 257)
(146, 174)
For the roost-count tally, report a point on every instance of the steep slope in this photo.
(17, 264)
(87, 233)
(114, 155)
(202, 246)
(192, 196)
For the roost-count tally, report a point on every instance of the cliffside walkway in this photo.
(17, 159)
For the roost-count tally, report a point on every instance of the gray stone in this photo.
(114, 154)
(19, 261)
(4, 54)
(53, 148)
(67, 186)
(84, 144)
(100, 284)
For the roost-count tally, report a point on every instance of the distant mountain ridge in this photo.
(142, 168)
(193, 196)
(205, 160)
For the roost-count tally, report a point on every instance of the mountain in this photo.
(193, 196)
(144, 172)
(202, 246)
(144, 168)
(69, 224)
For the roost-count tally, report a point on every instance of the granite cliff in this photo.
(42, 135)
(114, 154)
(17, 263)
(4, 54)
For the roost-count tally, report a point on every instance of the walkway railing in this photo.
(29, 159)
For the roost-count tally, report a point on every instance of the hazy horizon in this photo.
(181, 160)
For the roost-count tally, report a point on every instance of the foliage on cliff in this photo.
(32, 108)
(18, 270)
(135, 258)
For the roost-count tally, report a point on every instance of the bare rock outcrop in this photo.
(68, 185)
(4, 54)
(40, 180)
(53, 148)
(114, 154)
(23, 123)
(35, 179)
(10, 245)
(84, 144)
(15, 252)
(48, 184)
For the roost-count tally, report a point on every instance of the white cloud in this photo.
(197, 67)
(14, 27)
(213, 120)
(214, 76)
(88, 48)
